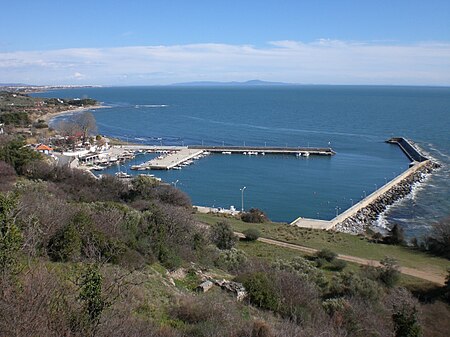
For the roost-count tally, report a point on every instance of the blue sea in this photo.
(354, 120)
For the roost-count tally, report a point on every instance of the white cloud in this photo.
(78, 76)
(321, 62)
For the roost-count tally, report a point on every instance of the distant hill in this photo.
(233, 83)
(15, 85)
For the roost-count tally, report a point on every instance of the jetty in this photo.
(172, 157)
(358, 217)
(263, 150)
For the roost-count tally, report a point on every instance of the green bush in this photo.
(261, 290)
(15, 118)
(222, 235)
(389, 272)
(231, 259)
(326, 254)
(320, 262)
(304, 268)
(406, 324)
(337, 265)
(254, 215)
(65, 245)
(10, 235)
(16, 153)
(350, 284)
(251, 234)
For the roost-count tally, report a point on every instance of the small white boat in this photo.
(226, 152)
(146, 175)
(123, 175)
(97, 168)
(305, 154)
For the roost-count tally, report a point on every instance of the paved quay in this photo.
(172, 159)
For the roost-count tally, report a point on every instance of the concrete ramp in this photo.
(312, 223)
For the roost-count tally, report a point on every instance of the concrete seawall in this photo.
(361, 215)
(408, 148)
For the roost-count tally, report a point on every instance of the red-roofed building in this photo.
(44, 149)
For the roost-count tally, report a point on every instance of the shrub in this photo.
(65, 245)
(326, 254)
(337, 265)
(222, 235)
(231, 259)
(389, 272)
(396, 236)
(405, 314)
(333, 305)
(305, 269)
(350, 284)
(16, 153)
(10, 235)
(261, 290)
(320, 262)
(254, 215)
(447, 287)
(251, 234)
(438, 242)
(261, 329)
(8, 176)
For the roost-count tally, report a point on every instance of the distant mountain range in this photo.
(233, 83)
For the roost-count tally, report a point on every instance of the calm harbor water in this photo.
(355, 120)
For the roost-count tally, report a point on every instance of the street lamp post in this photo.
(351, 201)
(175, 183)
(365, 195)
(337, 210)
(242, 197)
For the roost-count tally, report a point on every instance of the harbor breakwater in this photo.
(365, 216)
(362, 215)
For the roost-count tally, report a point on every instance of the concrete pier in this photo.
(303, 151)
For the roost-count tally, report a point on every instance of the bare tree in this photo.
(68, 128)
(86, 123)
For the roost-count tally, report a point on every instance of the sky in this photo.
(395, 42)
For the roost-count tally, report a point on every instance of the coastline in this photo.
(49, 116)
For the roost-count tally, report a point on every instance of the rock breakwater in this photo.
(365, 217)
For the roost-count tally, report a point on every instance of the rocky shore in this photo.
(365, 217)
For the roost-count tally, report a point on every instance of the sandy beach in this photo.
(47, 117)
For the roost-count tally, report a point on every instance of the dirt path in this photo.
(431, 277)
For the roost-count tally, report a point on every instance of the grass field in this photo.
(340, 243)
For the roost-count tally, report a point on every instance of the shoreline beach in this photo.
(49, 116)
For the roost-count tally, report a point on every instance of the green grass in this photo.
(271, 253)
(340, 243)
